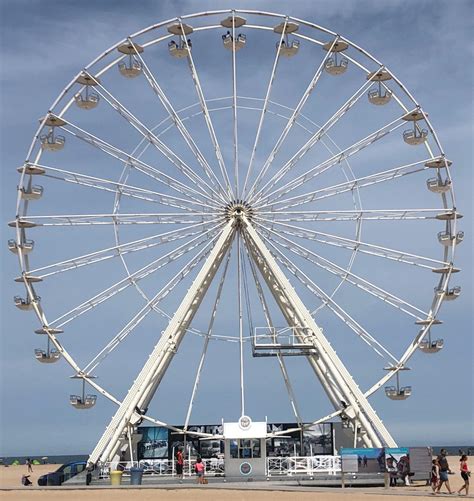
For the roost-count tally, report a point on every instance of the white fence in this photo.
(303, 465)
(276, 466)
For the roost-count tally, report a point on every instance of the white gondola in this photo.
(52, 142)
(437, 185)
(336, 64)
(446, 238)
(131, 67)
(88, 100)
(395, 393)
(415, 136)
(180, 50)
(288, 48)
(449, 294)
(32, 193)
(46, 357)
(229, 44)
(25, 304)
(429, 346)
(85, 402)
(26, 246)
(336, 67)
(378, 96)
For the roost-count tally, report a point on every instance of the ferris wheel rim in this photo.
(24, 205)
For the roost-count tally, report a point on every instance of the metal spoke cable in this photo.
(346, 275)
(207, 338)
(118, 187)
(149, 306)
(331, 303)
(350, 185)
(178, 122)
(241, 342)
(350, 244)
(207, 117)
(311, 142)
(134, 277)
(100, 219)
(154, 140)
(334, 160)
(234, 108)
(121, 249)
(264, 109)
(137, 164)
(291, 121)
(281, 362)
(354, 215)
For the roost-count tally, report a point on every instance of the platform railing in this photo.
(303, 465)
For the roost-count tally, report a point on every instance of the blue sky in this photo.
(428, 46)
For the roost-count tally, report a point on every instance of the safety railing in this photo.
(303, 465)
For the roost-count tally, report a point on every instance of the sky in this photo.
(428, 46)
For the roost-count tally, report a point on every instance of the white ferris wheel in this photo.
(194, 161)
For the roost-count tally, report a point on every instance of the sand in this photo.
(10, 479)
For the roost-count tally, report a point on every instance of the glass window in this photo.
(248, 448)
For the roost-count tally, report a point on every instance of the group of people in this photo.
(440, 471)
(199, 467)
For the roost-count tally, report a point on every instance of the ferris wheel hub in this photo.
(237, 209)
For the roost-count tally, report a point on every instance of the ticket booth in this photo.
(245, 451)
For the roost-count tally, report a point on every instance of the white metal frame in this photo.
(206, 206)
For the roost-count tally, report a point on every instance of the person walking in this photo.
(465, 474)
(444, 471)
(179, 463)
(199, 468)
(29, 464)
(434, 480)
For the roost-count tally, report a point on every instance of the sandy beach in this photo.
(10, 479)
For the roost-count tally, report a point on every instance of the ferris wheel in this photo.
(244, 154)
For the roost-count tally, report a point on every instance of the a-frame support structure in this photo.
(332, 374)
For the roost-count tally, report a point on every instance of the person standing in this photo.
(29, 464)
(444, 470)
(465, 474)
(199, 467)
(179, 463)
(434, 480)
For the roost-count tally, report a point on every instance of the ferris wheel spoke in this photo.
(117, 187)
(179, 123)
(291, 120)
(360, 246)
(345, 274)
(207, 117)
(137, 164)
(355, 215)
(334, 160)
(281, 362)
(313, 140)
(264, 108)
(350, 185)
(234, 108)
(207, 338)
(101, 219)
(154, 140)
(135, 277)
(150, 306)
(118, 250)
(330, 303)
